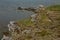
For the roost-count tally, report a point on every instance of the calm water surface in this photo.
(8, 10)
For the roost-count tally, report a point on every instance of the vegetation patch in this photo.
(54, 7)
(26, 22)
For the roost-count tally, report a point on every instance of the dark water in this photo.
(8, 10)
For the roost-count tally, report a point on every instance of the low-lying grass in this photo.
(26, 22)
(54, 7)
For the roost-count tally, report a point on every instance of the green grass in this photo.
(44, 16)
(54, 7)
(26, 22)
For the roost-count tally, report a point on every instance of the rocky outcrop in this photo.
(42, 26)
(6, 36)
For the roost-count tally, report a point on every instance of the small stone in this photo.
(26, 31)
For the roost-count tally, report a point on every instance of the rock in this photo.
(12, 26)
(26, 31)
(19, 8)
(41, 6)
(6, 36)
(33, 17)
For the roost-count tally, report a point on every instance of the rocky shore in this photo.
(43, 25)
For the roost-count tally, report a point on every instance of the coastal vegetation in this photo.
(46, 26)
(54, 7)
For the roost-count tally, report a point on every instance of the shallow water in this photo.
(8, 10)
